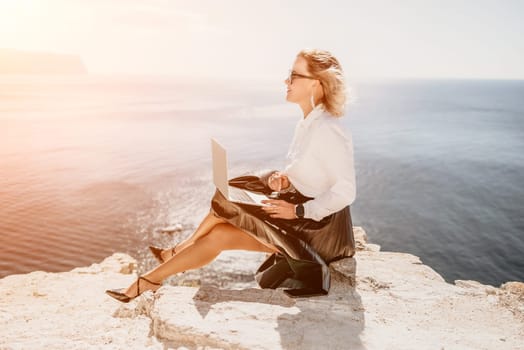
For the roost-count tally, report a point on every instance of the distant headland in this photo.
(25, 62)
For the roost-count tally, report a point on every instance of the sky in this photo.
(260, 39)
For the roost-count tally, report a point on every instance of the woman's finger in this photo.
(270, 201)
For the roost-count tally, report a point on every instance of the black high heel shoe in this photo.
(157, 252)
(119, 294)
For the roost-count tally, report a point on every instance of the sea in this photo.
(96, 164)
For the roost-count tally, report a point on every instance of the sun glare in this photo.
(18, 20)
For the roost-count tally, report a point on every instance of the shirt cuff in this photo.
(308, 212)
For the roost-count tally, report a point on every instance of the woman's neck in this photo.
(306, 109)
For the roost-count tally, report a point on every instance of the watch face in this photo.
(300, 211)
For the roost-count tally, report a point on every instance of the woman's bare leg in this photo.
(202, 251)
(203, 229)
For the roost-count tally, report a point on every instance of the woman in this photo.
(309, 225)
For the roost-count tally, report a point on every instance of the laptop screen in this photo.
(218, 153)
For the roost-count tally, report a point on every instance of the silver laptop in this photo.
(231, 193)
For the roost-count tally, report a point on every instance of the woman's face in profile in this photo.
(298, 88)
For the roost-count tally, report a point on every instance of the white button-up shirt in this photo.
(320, 164)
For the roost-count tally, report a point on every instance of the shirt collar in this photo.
(313, 115)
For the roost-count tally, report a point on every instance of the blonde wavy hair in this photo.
(326, 68)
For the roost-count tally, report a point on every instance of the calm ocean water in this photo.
(94, 165)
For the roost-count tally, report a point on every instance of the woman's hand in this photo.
(278, 181)
(279, 209)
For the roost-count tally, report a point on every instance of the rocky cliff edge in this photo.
(378, 300)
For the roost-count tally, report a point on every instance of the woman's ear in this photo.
(315, 86)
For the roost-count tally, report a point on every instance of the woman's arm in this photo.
(334, 150)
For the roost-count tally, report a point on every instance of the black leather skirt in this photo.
(306, 247)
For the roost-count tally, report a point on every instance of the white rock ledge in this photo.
(392, 302)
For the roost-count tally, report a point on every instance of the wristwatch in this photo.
(299, 211)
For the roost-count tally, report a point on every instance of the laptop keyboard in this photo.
(239, 195)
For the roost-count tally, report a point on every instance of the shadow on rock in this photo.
(207, 296)
(334, 321)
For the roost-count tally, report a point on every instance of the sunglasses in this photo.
(292, 76)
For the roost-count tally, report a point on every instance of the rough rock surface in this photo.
(393, 301)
